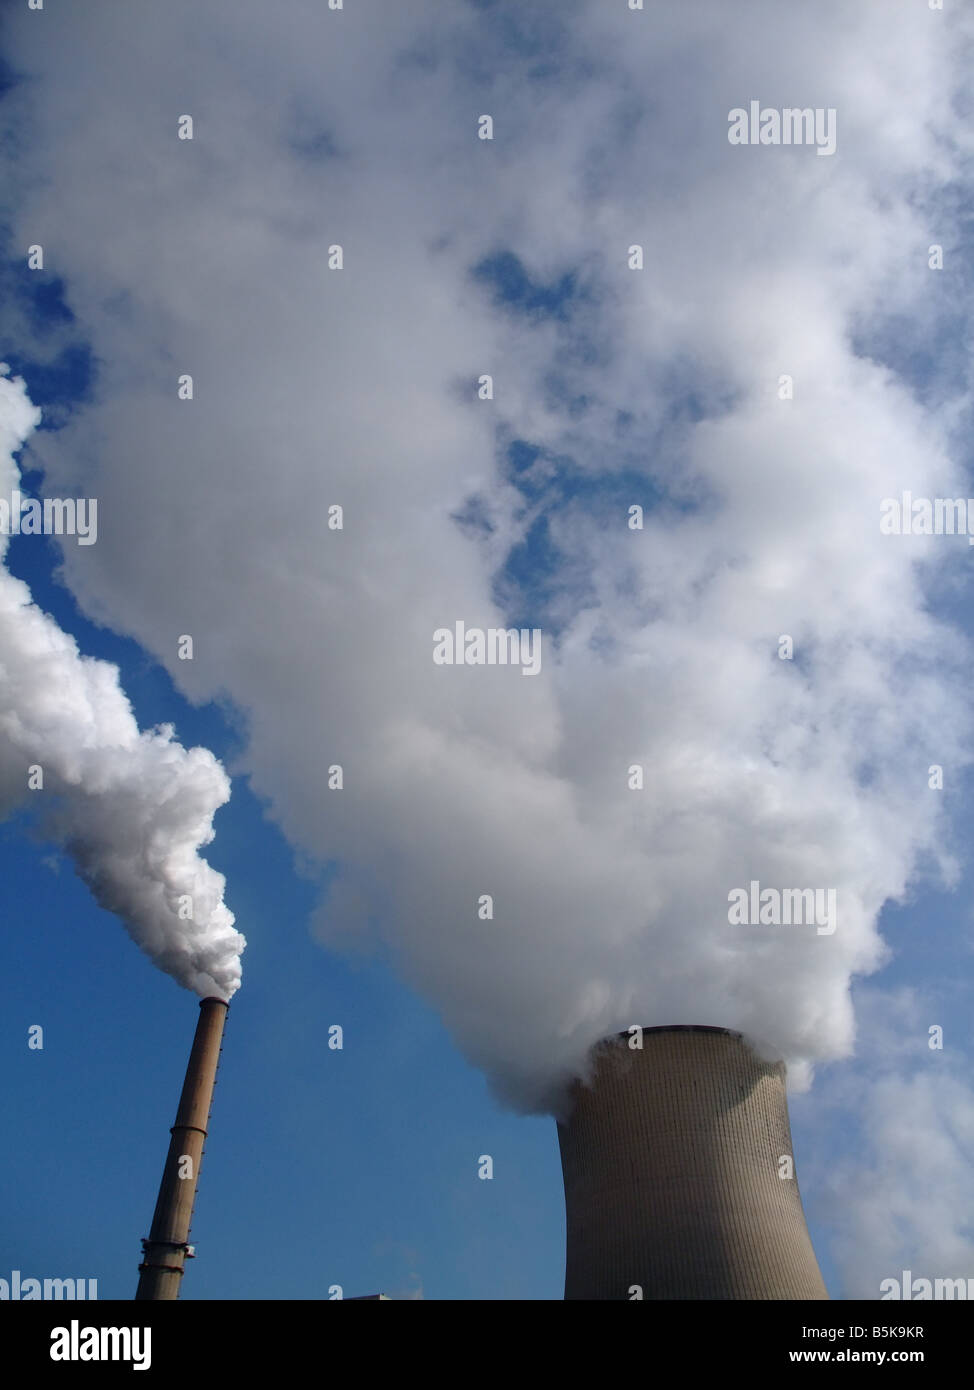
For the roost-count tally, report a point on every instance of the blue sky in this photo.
(355, 1168)
(611, 387)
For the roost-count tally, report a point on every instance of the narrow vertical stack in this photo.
(166, 1249)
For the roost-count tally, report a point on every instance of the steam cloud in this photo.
(131, 808)
(658, 388)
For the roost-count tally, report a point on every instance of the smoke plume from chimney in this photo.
(757, 653)
(131, 808)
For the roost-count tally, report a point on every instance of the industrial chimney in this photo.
(166, 1249)
(679, 1174)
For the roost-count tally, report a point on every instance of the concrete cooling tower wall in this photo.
(676, 1160)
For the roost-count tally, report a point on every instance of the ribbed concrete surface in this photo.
(671, 1163)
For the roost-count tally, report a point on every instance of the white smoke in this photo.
(132, 809)
(357, 387)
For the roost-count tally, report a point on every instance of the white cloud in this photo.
(897, 1196)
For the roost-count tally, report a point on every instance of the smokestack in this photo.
(679, 1174)
(166, 1249)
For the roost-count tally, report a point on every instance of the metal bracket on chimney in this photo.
(188, 1250)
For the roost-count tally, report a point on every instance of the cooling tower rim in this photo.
(679, 1028)
(215, 999)
(614, 1040)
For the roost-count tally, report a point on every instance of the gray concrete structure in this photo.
(676, 1161)
(166, 1250)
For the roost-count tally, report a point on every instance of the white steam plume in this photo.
(132, 809)
(658, 387)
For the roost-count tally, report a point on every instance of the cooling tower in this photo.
(166, 1249)
(676, 1160)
